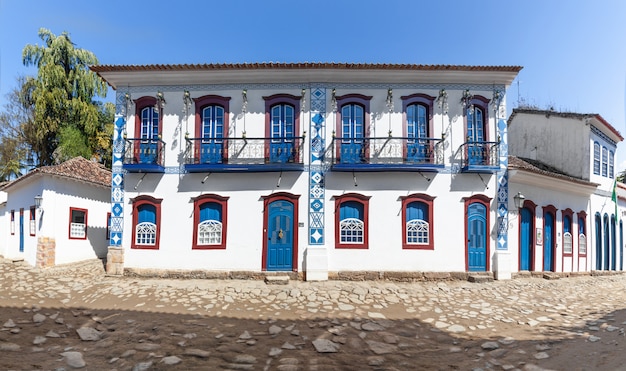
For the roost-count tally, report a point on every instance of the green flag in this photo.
(614, 198)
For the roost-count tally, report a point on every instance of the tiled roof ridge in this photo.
(300, 65)
(541, 168)
(82, 169)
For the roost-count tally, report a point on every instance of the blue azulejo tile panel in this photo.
(503, 188)
(317, 128)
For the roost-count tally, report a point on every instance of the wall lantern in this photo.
(519, 200)
(38, 200)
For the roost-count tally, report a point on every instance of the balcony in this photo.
(144, 155)
(479, 157)
(227, 155)
(387, 154)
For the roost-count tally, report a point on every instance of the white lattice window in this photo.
(210, 233)
(145, 234)
(582, 244)
(567, 243)
(78, 223)
(351, 231)
(417, 232)
(77, 230)
(32, 228)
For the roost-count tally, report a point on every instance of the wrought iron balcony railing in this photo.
(387, 153)
(228, 154)
(144, 155)
(479, 156)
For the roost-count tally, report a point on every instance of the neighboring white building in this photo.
(565, 168)
(71, 221)
(321, 168)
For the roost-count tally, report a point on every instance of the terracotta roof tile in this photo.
(539, 167)
(301, 65)
(77, 168)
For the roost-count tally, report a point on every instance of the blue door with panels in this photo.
(282, 129)
(352, 133)
(548, 241)
(149, 136)
(21, 230)
(211, 146)
(417, 149)
(475, 136)
(607, 241)
(598, 223)
(280, 236)
(477, 237)
(526, 239)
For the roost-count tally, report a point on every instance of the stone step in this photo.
(276, 280)
(480, 278)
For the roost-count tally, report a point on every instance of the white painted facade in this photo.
(175, 188)
(52, 220)
(569, 181)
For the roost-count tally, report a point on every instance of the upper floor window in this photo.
(596, 158)
(78, 223)
(417, 109)
(611, 165)
(282, 126)
(148, 124)
(211, 127)
(353, 123)
(210, 216)
(417, 221)
(146, 222)
(351, 221)
(605, 161)
(476, 116)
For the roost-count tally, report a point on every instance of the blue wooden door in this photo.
(607, 241)
(352, 132)
(21, 230)
(212, 135)
(526, 238)
(475, 136)
(621, 246)
(149, 136)
(477, 237)
(613, 245)
(598, 242)
(548, 241)
(280, 236)
(417, 149)
(282, 130)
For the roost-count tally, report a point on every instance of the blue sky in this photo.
(573, 53)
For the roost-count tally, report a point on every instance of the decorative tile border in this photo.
(317, 128)
(503, 187)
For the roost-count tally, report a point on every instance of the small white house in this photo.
(56, 214)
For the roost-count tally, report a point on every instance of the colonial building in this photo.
(314, 168)
(57, 214)
(564, 166)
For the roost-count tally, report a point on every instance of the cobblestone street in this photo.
(74, 316)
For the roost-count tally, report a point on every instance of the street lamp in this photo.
(38, 200)
(519, 200)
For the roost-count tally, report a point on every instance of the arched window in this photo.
(567, 233)
(210, 221)
(417, 222)
(611, 165)
(596, 158)
(148, 125)
(582, 233)
(605, 161)
(211, 129)
(146, 222)
(282, 120)
(353, 119)
(351, 221)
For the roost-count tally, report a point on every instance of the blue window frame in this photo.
(611, 164)
(417, 127)
(582, 234)
(605, 161)
(476, 150)
(567, 235)
(596, 158)
(149, 123)
(212, 134)
(352, 133)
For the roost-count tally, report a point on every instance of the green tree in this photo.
(621, 176)
(67, 122)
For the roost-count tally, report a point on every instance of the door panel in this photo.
(477, 237)
(280, 239)
(526, 239)
(548, 239)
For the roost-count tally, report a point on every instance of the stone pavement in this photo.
(75, 316)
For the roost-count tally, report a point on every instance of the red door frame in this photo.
(267, 200)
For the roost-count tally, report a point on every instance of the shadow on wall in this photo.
(97, 237)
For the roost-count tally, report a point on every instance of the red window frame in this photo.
(32, 222)
(364, 200)
(12, 225)
(570, 213)
(108, 230)
(273, 100)
(429, 201)
(210, 100)
(146, 200)
(582, 219)
(69, 229)
(197, 202)
(362, 100)
(483, 104)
